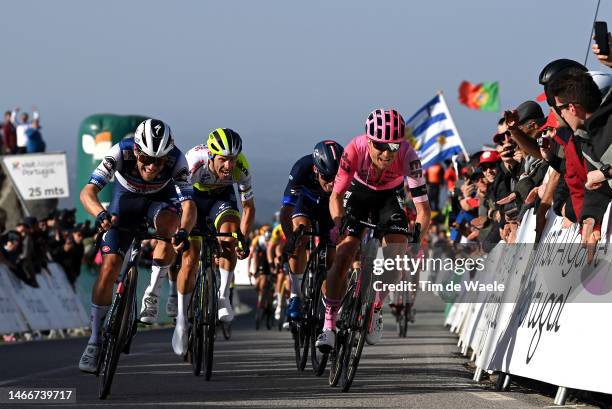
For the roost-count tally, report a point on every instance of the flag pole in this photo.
(467, 157)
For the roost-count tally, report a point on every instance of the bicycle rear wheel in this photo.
(116, 333)
(318, 359)
(210, 321)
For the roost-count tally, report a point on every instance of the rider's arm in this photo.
(336, 208)
(99, 178)
(417, 187)
(285, 220)
(271, 252)
(182, 179)
(89, 199)
(189, 215)
(423, 216)
(248, 215)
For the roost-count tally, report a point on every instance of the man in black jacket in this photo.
(577, 103)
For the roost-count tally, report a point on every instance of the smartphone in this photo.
(601, 37)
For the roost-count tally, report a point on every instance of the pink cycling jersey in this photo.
(356, 163)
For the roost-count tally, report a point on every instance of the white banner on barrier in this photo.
(11, 319)
(548, 326)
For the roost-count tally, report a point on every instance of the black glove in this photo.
(181, 237)
(101, 217)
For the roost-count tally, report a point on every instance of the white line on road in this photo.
(491, 396)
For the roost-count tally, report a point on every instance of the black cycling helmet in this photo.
(326, 157)
(557, 66)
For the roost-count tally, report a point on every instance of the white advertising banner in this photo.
(38, 176)
(548, 324)
(11, 319)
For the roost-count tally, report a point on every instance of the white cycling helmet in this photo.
(154, 138)
(603, 81)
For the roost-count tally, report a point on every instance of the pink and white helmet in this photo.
(385, 126)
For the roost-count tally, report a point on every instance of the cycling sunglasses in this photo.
(149, 160)
(327, 178)
(381, 146)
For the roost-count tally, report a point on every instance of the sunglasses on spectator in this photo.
(149, 160)
(486, 166)
(381, 146)
(564, 106)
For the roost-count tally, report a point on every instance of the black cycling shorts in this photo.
(382, 207)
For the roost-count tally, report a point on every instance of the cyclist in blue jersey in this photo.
(306, 199)
(152, 180)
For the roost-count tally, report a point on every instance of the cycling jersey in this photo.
(303, 180)
(356, 163)
(204, 179)
(277, 234)
(120, 162)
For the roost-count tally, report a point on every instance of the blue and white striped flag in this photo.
(433, 133)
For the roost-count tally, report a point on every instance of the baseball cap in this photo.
(530, 110)
(489, 157)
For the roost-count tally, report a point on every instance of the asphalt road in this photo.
(256, 369)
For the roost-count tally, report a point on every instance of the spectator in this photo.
(34, 140)
(70, 255)
(9, 134)
(434, 176)
(21, 127)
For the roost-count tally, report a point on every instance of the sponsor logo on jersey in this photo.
(105, 249)
(345, 163)
(416, 170)
(109, 163)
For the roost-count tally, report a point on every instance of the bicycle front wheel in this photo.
(116, 333)
(356, 342)
(210, 322)
(196, 329)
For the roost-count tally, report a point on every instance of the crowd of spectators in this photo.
(33, 243)
(20, 134)
(557, 161)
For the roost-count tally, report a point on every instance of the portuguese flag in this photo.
(483, 96)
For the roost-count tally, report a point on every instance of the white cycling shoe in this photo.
(149, 311)
(89, 359)
(179, 340)
(172, 306)
(374, 337)
(326, 341)
(226, 312)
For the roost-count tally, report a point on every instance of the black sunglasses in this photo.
(327, 178)
(149, 160)
(381, 146)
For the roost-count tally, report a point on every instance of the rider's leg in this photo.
(336, 278)
(297, 261)
(394, 245)
(172, 301)
(227, 262)
(185, 285)
(102, 294)
(166, 223)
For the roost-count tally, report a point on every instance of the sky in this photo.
(284, 74)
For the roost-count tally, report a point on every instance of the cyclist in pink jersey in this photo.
(370, 185)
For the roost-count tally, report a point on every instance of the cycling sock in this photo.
(331, 312)
(98, 313)
(226, 278)
(183, 304)
(296, 285)
(157, 273)
(172, 286)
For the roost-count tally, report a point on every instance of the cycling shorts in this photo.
(214, 205)
(384, 207)
(315, 210)
(130, 207)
